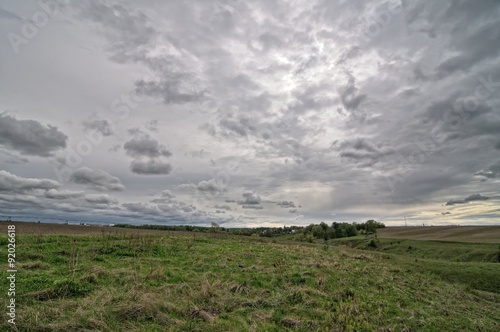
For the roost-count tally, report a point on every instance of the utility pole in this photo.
(405, 222)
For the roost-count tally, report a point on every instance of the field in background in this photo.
(61, 229)
(489, 234)
(139, 280)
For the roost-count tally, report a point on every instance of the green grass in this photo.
(475, 265)
(132, 282)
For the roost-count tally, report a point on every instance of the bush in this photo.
(373, 244)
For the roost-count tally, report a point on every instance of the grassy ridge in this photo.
(142, 282)
(473, 264)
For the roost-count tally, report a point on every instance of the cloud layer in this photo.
(251, 113)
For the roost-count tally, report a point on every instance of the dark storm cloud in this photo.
(145, 147)
(150, 167)
(471, 198)
(102, 126)
(30, 137)
(16, 184)
(96, 179)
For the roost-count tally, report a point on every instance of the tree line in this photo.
(338, 230)
(302, 233)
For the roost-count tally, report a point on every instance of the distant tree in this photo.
(371, 226)
(318, 232)
(215, 226)
(351, 230)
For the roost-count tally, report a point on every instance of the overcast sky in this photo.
(250, 113)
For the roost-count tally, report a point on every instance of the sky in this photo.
(250, 113)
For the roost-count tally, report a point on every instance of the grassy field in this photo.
(130, 280)
(489, 234)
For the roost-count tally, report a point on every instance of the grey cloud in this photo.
(150, 167)
(115, 148)
(349, 54)
(253, 207)
(350, 96)
(272, 85)
(96, 179)
(492, 172)
(223, 207)
(135, 131)
(102, 126)
(170, 91)
(125, 30)
(171, 210)
(286, 204)
(142, 208)
(63, 194)
(16, 184)
(471, 198)
(152, 125)
(472, 48)
(145, 147)
(250, 198)
(312, 98)
(241, 126)
(167, 193)
(210, 186)
(362, 150)
(100, 199)
(30, 137)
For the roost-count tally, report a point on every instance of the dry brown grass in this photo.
(485, 234)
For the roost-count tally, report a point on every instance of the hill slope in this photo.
(488, 234)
